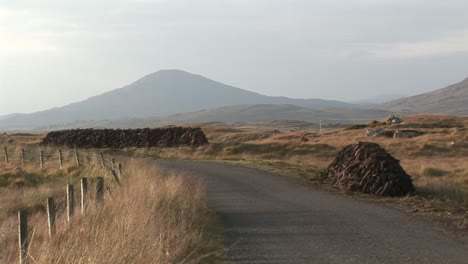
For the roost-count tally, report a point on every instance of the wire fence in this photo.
(58, 159)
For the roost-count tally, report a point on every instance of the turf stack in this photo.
(368, 168)
(118, 138)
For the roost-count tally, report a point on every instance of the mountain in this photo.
(8, 116)
(241, 113)
(162, 93)
(451, 100)
(378, 99)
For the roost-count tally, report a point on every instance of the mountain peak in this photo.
(166, 74)
(164, 92)
(171, 72)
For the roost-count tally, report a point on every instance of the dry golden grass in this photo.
(30, 195)
(432, 150)
(439, 170)
(155, 217)
(20, 139)
(420, 155)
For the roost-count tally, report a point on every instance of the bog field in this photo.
(168, 213)
(435, 159)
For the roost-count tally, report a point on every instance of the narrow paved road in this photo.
(271, 218)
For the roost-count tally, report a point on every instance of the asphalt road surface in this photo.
(271, 218)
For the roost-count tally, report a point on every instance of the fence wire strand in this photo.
(50, 157)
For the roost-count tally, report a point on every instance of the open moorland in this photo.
(436, 159)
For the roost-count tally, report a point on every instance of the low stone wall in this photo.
(123, 138)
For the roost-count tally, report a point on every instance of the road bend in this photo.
(270, 218)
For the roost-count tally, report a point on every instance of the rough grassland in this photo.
(155, 217)
(439, 169)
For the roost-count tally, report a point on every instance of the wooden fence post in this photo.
(84, 194)
(51, 215)
(102, 160)
(70, 201)
(60, 159)
(41, 159)
(99, 190)
(115, 176)
(22, 157)
(7, 160)
(23, 237)
(77, 159)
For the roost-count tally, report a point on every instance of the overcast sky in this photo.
(53, 52)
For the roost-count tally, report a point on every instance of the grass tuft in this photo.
(444, 192)
(434, 172)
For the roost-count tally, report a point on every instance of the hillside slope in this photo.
(452, 100)
(162, 93)
(240, 113)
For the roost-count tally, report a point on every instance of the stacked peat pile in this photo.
(368, 168)
(123, 138)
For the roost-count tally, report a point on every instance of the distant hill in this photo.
(165, 92)
(8, 116)
(378, 99)
(452, 100)
(241, 113)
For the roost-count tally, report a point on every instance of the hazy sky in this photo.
(53, 52)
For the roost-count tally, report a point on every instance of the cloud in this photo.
(25, 32)
(453, 43)
(19, 31)
(25, 46)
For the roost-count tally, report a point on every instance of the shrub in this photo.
(434, 172)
